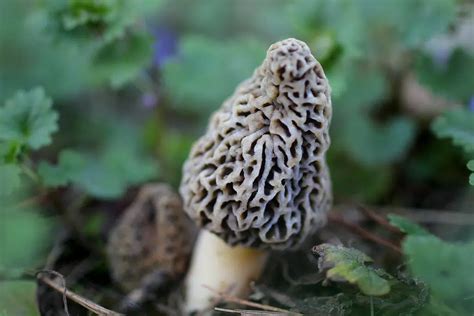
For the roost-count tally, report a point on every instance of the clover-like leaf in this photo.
(351, 265)
(458, 125)
(28, 119)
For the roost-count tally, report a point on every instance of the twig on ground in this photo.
(57, 274)
(382, 221)
(248, 312)
(31, 201)
(233, 299)
(84, 302)
(362, 232)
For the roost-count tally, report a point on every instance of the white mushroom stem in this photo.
(217, 267)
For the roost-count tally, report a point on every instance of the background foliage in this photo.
(100, 96)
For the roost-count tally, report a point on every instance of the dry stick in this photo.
(233, 299)
(363, 233)
(378, 219)
(66, 309)
(246, 312)
(91, 306)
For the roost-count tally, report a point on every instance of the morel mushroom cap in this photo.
(258, 177)
(153, 233)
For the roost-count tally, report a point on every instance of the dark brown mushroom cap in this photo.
(153, 233)
(258, 177)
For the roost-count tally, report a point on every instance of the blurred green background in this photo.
(103, 95)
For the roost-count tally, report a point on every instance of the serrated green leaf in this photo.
(9, 179)
(445, 267)
(28, 118)
(102, 20)
(406, 225)
(458, 125)
(350, 265)
(453, 80)
(207, 71)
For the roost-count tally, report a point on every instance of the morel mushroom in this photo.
(152, 241)
(258, 178)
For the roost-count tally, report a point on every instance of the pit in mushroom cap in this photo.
(153, 234)
(258, 177)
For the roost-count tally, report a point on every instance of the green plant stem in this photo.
(30, 173)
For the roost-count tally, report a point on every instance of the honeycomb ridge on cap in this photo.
(258, 176)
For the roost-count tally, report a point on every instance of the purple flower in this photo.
(470, 104)
(441, 57)
(165, 46)
(149, 100)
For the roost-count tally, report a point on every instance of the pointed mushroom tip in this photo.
(288, 61)
(288, 48)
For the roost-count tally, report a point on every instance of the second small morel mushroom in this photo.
(258, 178)
(151, 244)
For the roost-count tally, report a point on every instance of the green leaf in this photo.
(175, 150)
(28, 118)
(350, 265)
(407, 226)
(207, 71)
(370, 27)
(23, 236)
(105, 176)
(453, 80)
(362, 93)
(374, 144)
(470, 166)
(9, 179)
(60, 68)
(70, 166)
(102, 20)
(445, 267)
(18, 298)
(458, 125)
(369, 143)
(121, 61)
(419, 20)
